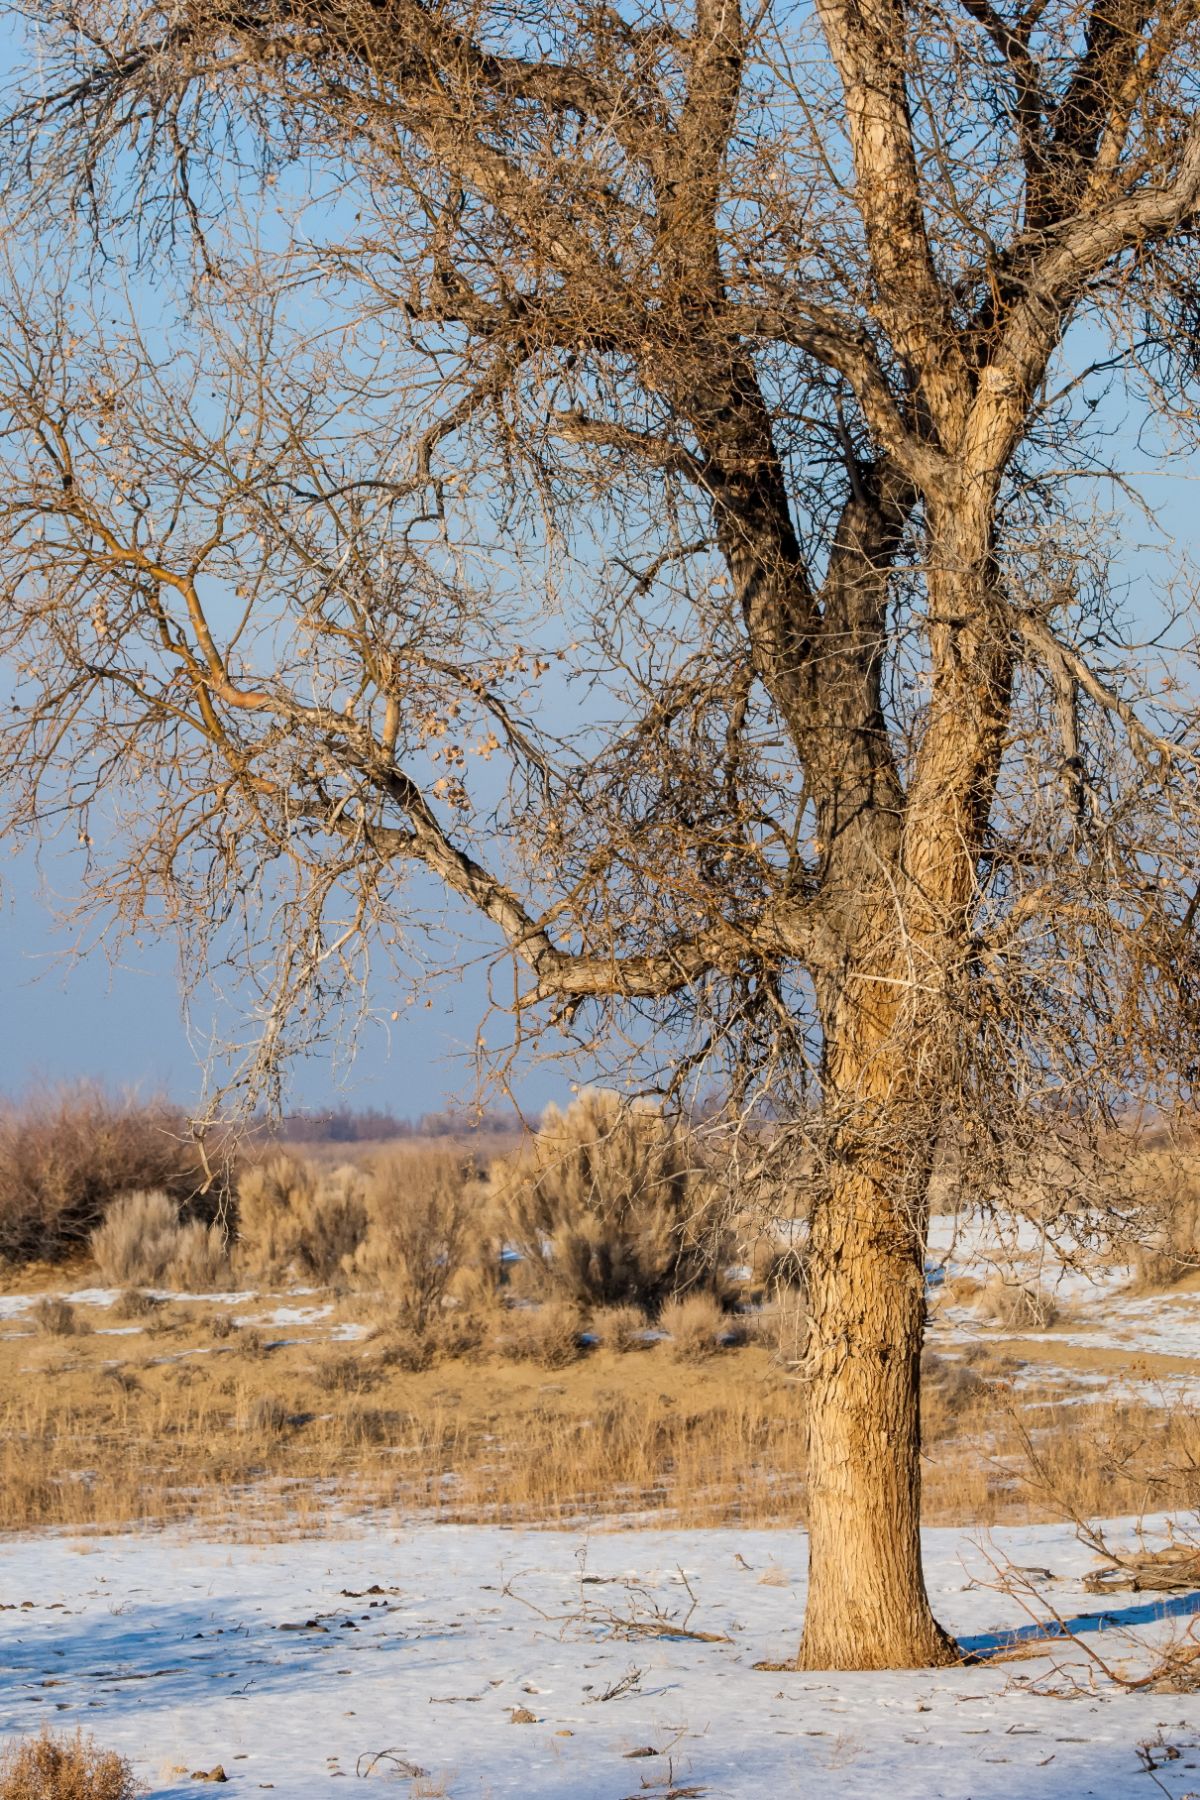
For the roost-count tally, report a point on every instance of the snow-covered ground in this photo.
(534, 1665)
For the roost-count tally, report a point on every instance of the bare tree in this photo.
(697, 416)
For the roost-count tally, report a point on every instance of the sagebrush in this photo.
(51, 1767)
(144, 1242)
(420, 1215)
(613, 1205)
(293, 1219)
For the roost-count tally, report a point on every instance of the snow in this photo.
(277, 1661)
(1164, 1325)
(13, 1306)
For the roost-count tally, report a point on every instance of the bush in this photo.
(65, 1157)
(419, 1218)
(695, 1325)
(268, 1416)
(551, 1335)
(134, 1304)
(1165, 1188)
(293, 1221)
(621, 1328)
(57, 1318)
(63, 1768)
(615, 1208)
(143, 1241)
(408, 1350)
(345, 1373)
(1015, 1305)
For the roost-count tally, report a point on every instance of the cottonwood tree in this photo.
(697, 413)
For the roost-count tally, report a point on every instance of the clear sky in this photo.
(64, 1017)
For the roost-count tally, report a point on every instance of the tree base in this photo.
(929, 1647)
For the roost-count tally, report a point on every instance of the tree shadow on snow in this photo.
(1107, 1618)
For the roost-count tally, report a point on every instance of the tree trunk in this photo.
(867, 1605)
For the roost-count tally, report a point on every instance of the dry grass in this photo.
(133, 1304)
(620, 1327)
(244, 1435)
(64, 1768)
(550, 1335)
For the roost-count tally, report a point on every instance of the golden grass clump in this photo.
(344, 1373)
(144, 1242)
(294, 1220)
(613, 1206)
(134, 1304)
(696, 1326)
(64, 1768)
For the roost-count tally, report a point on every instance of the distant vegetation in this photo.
(350, 1125)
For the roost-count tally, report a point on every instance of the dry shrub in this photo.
(1165, 1187)
(782, 1327)
(65, 1156)
(419, 1220)
(144, 1241)
(550, 1335)
(219, 1325)
(293, 1219)
(344, 1373)
(614, 1208)
(696, 1326)
(268, 1416)
(960, 1290)
(948, 1383)
(134, 1304)
(621, 1328)
(201, 1259)
(1015, 1305)
(53, 1317)
(408, 1350)
(64, 1768)
(459, 1331)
